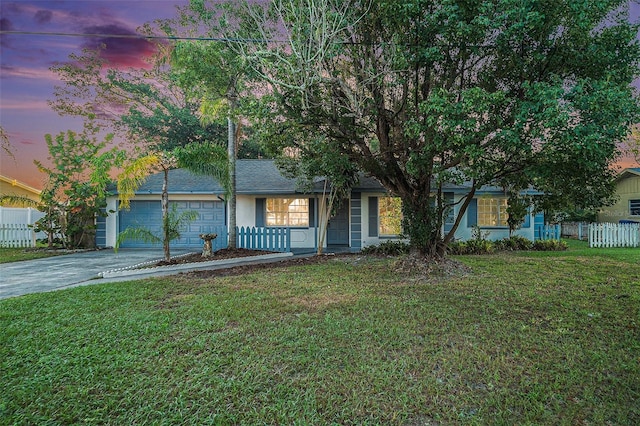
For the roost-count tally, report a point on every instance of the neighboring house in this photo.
(267, 199)
(627, 208)
(9, 186)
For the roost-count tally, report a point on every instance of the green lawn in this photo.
(527, 338)
(18, 254)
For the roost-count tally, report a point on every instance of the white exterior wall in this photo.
(245, 210)
(462, 233)
(111, 222)
(246, 216)
(308, 237)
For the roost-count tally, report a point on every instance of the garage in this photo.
(148, 213)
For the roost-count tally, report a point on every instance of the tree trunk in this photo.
(165, 215)
(423, 222)
(231, 150)
(421, 225)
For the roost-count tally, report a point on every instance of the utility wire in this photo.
(215, 39)
(137, 36)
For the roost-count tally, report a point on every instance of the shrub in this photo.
(457, 247)
(512, 243)
(550, 245)
(470, 247)
(479, 246)
(387, 248)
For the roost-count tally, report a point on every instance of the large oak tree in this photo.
(423, 92)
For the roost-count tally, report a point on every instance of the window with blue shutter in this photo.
(373, 216)
(450, 217)
(312, 212)
(472, 213)
(260, 211)
(527, 220)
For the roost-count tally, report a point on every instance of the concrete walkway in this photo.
(98, 267)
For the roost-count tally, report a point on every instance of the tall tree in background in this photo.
(419, 93)
(633, 143)
(149, 108)
(144, 106)
(201, 158)
(76, 188)
(216, 72)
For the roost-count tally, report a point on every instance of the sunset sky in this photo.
(26, 82)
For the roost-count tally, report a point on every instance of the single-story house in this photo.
(13, 187)
(627, 207)
(265, 198)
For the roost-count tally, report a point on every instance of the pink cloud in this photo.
(28, 142)
(43, 16)
(25, 105)
(121, 52)
(27, 72)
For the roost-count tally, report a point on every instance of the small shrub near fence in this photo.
(16, 235)
(614, 235)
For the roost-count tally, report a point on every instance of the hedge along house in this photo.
(266, 199)
(627, 206)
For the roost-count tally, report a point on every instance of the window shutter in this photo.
(450, 218)
(472, 213)
(261, 206)
(312, 212)
(527, 220)
(373, 216)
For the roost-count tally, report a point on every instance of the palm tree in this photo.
(202, 158)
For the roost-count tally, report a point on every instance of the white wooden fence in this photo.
(17, 235)
(614, 235)
(14, 226)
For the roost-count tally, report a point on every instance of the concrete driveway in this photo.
(69, 270)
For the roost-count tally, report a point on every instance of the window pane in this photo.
(492, 212)
(287, 212)
(390, 216)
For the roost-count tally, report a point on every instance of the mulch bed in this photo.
(443, 269)
(246, 269)
(221, 254)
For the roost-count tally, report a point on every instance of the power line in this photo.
(215, 39)
(137, 36)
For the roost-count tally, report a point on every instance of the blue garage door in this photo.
(149, 214)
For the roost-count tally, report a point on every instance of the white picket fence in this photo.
(17, 235)
(614, 235)
(14, 227)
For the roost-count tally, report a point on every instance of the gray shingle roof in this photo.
(262, 177)
(252, 177)
(181, 181)
(259, 177)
